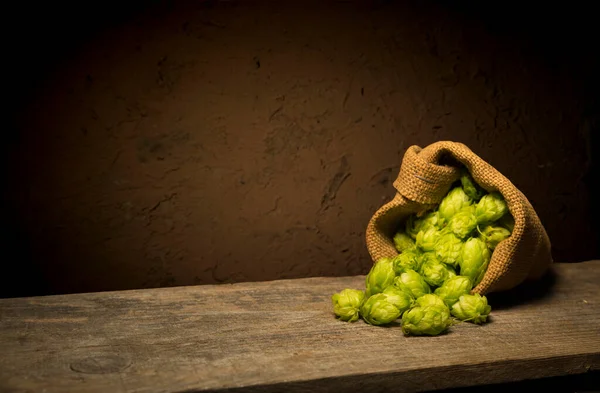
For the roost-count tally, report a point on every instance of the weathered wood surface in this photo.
(282, 336)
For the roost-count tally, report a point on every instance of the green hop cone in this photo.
(492, 235)
(378, 310)
(507, 221)
(430, 300)
(463, 223)
(448, 249)
(412, 283)
(471, 308)
(408, 260)
(453, 202)
(472, 189)
(435, 272)
(453, 288)
(414, 224)
(399, 298)
(429, 320)
(429, 257)
(380, 277)
(490, 208)
(474, 261)
(426, 239)
(403, 242)
(347, 303)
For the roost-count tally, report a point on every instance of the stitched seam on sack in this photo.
(425, 180)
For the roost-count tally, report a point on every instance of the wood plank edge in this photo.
(435, 378)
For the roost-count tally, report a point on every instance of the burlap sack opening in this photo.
(426, 176)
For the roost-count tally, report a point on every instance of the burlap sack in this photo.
(426, 176)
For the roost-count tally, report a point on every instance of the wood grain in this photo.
(282, 336)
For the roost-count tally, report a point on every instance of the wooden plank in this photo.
(282, 336)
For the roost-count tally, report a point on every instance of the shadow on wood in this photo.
(527, 292)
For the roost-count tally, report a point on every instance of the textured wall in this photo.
(237, 141)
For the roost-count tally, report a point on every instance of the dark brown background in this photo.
(180, 143)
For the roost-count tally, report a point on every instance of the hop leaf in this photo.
(463, 223)
(453, 288)
(471, 308)
(453, 202)
(426, 239)
(346, 304)
(490, 208)
(414, 225)
(403, 242)
(402, 300)
(380, 277)
(472, 189)
(448, 249)
(408, 260)
(492, 235)
(430, 300)
(378, 310)
(429, 320)
(475, 259)
(412, 283)
(434, 272)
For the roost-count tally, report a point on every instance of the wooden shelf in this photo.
(282, 336)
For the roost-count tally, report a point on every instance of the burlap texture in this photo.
(426, 176)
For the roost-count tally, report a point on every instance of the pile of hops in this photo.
(443, 255)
